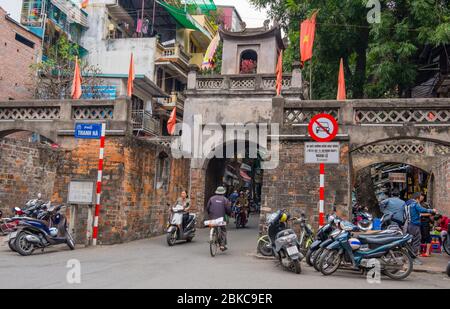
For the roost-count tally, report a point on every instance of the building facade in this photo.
(20, 48)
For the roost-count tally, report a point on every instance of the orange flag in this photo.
(341, 95)
(279, 73)
(172, 121)
(131, 77)
(76, 84)
(84, 4)
(307, 33)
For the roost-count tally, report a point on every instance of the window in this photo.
(162, 172)
(249, 62)
(24, 40)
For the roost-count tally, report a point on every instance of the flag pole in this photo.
(310, 81)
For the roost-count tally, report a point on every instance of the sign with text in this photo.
(81, 192)
(88, 130)
(326, 153)
(397, 177)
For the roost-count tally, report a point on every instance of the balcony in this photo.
(176, 99)
(173, 58)
(144, 122)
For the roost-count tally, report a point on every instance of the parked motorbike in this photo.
(306, 235)
(285, 244)
(49, 229)
(362, 218)
(323, 234)
(187, 231)
(392, 251)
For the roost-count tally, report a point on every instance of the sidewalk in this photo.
(436, 263)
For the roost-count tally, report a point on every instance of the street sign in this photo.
(81, 192)
(397, 177)
(323, 128)
(322, 153)
(88, 131)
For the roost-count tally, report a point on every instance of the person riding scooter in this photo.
(181, 224)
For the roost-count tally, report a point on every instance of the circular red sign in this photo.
(320, 124)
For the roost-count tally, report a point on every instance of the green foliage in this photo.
(380, 60)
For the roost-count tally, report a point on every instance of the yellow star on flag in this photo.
(306, 39)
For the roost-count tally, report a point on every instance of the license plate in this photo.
(292, 250)
(12, 235)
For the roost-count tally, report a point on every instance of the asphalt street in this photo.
(150, 263)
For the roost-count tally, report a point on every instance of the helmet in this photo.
(354, 243)
(284, 217)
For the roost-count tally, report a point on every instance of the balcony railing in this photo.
(241, 82)
(173, 52)
(144, 122)
(176, 99)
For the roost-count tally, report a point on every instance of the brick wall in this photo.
(26, 169)
(15, 60)
(295, 185)
(132, 207)
(441, 187)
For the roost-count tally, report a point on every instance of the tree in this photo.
(380, 59)
(53, 77)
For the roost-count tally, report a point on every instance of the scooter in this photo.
(49, 229)
(391, 252)
(362, 218)
(323, 234)
(446, 242)
(285, 242)
(240, 217)
(187, 231)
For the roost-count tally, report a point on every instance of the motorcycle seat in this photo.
(379, 239)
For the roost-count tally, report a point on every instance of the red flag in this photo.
(279, 73)
(172, 121)
(307, 33)
(131, 77)
(341, 95)
(84, 4)
(76, 84)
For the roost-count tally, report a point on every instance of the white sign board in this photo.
(327, 153)
(397, 177)
(81, 192)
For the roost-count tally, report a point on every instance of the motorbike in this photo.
(323, 234)
(240, 217)
(306, 235)
(285, 244)
(49, 229)
(176, 219)
(391, 250)
(362, 218)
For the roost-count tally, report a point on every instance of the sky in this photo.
(249, 14)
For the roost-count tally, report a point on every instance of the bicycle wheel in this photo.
(213, 242)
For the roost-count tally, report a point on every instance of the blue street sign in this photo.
(88, 131)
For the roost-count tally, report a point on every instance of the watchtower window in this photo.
(162, 171)
(248, 62)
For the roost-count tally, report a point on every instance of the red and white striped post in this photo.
(99, 184)
(322, 195)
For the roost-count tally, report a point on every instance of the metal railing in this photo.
(144, 121)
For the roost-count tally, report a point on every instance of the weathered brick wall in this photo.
(295, 185)
(441, 187)
(26, 169)
(132, 208)
(15, 60)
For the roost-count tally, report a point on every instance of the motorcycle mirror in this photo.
(39, 195)
(17, 209)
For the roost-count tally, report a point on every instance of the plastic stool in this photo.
(436, 244)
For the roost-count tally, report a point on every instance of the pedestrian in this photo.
(218, 207)
(425, 231)
(442, 224)
(394, 206)
(413, 210)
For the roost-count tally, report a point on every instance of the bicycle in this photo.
(215, 235)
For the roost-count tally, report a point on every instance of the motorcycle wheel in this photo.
(446, 245)
(70, 242)
(238, 220)
(329, 261)
(316, 258)
(23, 247)
(448, 269)
(308, 257)
(264, 246)
(171, 238)
(11, 245)
(296, 267)
(189, 239)
(397, 274)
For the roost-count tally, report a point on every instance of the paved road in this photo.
(151, 263)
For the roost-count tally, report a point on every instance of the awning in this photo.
(184, 19)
